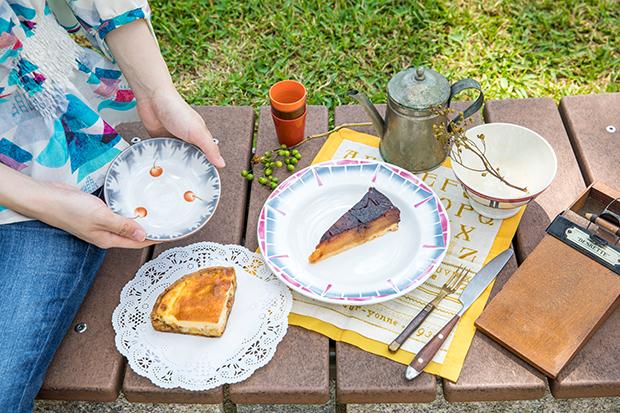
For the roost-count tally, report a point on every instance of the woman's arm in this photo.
(160, 106)
(65, 207)
(138, 55)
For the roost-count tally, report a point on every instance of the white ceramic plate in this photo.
(168, 185)
(305, 205)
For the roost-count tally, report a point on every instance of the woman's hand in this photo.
(65, 207)
(161, 108)
(89, 218)
(165, 112)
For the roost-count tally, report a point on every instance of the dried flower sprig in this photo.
(452, 136)
(329, 132)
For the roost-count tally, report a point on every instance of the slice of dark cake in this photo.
(371, 217)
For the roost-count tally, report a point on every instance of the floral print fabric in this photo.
(59, 102)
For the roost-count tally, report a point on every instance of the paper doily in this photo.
(258, 320)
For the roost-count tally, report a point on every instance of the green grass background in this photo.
(230, 52)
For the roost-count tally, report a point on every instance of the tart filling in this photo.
(371, 217)
(198, 303)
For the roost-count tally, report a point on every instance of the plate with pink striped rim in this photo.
(305, 205)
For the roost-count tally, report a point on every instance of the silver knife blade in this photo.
(482, 280)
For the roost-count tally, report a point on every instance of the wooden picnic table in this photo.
(88, 367)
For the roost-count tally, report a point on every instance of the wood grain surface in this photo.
(234, 127)
(87, 366)
(299, 371)
(595, 370)
(551, 305)
(362, 377)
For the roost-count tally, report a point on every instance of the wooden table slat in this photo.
(87, 366)
(234, 127)
(541, 115)
(362, 377)
(491, 372)
(595, 370)
(477, 382)
(586, 118)
(299, 371)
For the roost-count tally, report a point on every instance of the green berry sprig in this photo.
(285, 157)
(282, 157)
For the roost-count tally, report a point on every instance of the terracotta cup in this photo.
(288, 109)
(290, 131)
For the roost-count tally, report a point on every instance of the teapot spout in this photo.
(370, 109)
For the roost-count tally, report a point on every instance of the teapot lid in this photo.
(419, 88)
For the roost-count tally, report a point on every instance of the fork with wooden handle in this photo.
(473, 290)
(449, 287)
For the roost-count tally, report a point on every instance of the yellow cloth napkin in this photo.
(322, 318)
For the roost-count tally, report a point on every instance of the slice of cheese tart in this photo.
(371, 217)
(198, 303)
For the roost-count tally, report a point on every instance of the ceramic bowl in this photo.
(166, 184)
(523, 156)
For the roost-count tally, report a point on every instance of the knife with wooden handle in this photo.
(473, 290)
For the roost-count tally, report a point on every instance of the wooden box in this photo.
(563, 291)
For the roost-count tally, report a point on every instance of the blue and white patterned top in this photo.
(59, 102)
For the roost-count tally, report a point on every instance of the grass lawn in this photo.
(230, 52)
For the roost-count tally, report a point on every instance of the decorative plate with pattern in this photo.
(305, 205)
(166, 184)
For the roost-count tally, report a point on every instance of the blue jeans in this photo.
(45, 274)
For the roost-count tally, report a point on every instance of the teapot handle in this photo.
(459, 87)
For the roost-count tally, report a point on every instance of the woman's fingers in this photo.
(121, 232)
(167, 109)
(123, 227)
(200, 136)
(117, 241)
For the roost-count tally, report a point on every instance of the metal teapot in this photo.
(407, 138)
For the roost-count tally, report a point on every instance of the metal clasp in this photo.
(607, 216)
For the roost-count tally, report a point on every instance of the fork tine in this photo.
(462, 279)
(452, 277)
(462, 273)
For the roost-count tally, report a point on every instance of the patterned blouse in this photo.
(59, 102)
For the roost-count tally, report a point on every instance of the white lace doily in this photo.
(258, 320)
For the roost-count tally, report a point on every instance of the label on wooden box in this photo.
(586, 242)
